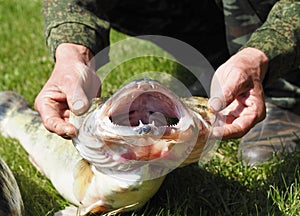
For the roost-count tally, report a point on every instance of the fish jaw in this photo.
(143, 124)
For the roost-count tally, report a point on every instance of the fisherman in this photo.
(253, 45)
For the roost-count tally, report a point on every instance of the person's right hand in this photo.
(71, 86)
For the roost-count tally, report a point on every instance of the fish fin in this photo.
(94, 208)
(122, 209)
(82, 178)
(100, 208)
(68, 211)
(78, 211)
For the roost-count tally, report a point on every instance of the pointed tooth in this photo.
(140, 123)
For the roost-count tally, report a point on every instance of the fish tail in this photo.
(11, 102)
(11, 203)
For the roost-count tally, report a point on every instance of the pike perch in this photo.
(125, 146)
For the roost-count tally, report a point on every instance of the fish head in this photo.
(143, 127)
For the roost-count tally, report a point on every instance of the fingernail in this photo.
(78, 106)
(216, 104)
(68, 132)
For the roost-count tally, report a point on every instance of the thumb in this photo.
(227, 84)
(221, 97)
(217, 100)
(78, 101)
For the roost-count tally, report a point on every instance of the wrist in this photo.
(73, 52)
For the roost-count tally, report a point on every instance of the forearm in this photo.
(279, 38)
(67, 22)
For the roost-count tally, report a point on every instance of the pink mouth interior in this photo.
(147, 108)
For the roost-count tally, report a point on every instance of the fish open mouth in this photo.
(147, 108)
(144, 106)
(143, 124)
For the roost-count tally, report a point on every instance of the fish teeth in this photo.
(140, 123)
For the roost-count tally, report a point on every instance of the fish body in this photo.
(11, 203)
(125, 146)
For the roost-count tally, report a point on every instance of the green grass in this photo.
(222, 187)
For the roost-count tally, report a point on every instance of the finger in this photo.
(223, 94)
(236, 124)
(60, 127)
(233, 131)
(53, 120)
(77, 99)
(229, 131)
(216, 101)
(236, 127)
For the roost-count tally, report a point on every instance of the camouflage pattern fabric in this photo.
(198, 23)
(285, 92)
(276, 31)
(242, 18)
(269, 25)
(68, 22)
(279, 38)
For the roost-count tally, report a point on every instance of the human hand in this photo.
(237, 93)
(72, 84)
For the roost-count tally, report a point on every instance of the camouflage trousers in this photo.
(285, 92)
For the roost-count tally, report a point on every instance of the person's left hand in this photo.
(237, 93)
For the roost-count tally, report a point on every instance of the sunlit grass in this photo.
(222, 187)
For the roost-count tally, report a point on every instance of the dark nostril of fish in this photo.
(144, 129)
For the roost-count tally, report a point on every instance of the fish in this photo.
(11, 203)
(124, 148)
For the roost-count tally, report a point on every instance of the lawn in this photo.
(223, 186)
